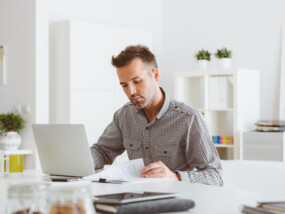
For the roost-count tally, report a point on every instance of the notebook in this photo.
(144, 207)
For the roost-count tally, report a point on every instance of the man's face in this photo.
(138, 82)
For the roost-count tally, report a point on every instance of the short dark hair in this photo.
(135, 51)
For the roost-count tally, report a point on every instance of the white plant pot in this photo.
(225, 63)
(203, 64)
(10, 141)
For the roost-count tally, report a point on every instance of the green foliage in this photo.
(203, 54)
(223, 53)
(11, 122)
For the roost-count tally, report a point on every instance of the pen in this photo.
(59, 179)
(102, 180)
(64, 179)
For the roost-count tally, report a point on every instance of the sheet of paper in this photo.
(122, 173)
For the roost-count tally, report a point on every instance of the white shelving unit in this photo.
(229, 100)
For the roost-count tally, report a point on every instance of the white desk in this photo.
(208, 199)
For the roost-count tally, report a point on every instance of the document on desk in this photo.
(127, 172)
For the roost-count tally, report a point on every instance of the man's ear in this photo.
(155, 74)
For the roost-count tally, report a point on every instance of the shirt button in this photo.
(165, 152)
(146, 127)
(146, 147)
(175, 107)
(131, 145)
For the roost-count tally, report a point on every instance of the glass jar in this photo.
(70, 200)
(27, 198)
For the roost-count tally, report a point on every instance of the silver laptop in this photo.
(63, 149)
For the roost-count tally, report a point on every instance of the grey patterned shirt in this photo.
(178, 137)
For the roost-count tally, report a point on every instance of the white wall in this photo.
(24, 31)
(136, 14)
(251, 29)
(27, 64)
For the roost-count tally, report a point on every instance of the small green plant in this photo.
(223, 53)
(11, 122)
(203, 54)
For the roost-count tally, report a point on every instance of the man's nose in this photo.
(132, 89)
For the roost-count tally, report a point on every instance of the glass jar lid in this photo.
(27, 190)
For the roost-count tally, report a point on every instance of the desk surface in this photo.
(208, 199)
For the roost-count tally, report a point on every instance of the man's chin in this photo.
(139, 105)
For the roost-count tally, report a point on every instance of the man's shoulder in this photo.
(183, 108)
(126, 108)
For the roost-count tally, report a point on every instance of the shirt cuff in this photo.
(183, 176)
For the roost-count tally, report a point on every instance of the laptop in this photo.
(63, 149)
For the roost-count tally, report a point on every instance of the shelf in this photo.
(209, 72)
(222, 109)
(220, 122)
(224, 145)
(16, 152)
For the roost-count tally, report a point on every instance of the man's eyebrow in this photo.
(131, 79)
(135, 77)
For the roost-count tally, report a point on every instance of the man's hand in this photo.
(158, 170)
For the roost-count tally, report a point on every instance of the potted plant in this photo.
(224, 55)
(203, 57)
(10, 126)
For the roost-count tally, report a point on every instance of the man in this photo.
(170, 136)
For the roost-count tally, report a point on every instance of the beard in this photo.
(141, 101)
(138, 100)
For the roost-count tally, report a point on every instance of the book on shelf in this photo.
(277, 205)
(144, 207)
(223, 139)
(269, 129)
(218, 92)
(258, 210)
(270, 125)
(274, 207)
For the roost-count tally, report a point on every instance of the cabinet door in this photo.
(91, 50)
(92, 108)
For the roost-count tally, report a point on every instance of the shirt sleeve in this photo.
(109, 145)
(201, 154)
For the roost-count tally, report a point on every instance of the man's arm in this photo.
(109, 145)
(201, 155)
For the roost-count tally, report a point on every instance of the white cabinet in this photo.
(267, 146)
(229, 100)
(84, 87)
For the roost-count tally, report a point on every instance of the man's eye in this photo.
(124, 85)
(137, 81)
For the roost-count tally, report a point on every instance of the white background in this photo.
(252, 29)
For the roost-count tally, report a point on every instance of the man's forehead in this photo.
(131, 77)
(129, 73)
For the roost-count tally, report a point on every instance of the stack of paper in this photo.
(128, 172)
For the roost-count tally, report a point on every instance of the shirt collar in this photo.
(164, 107)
